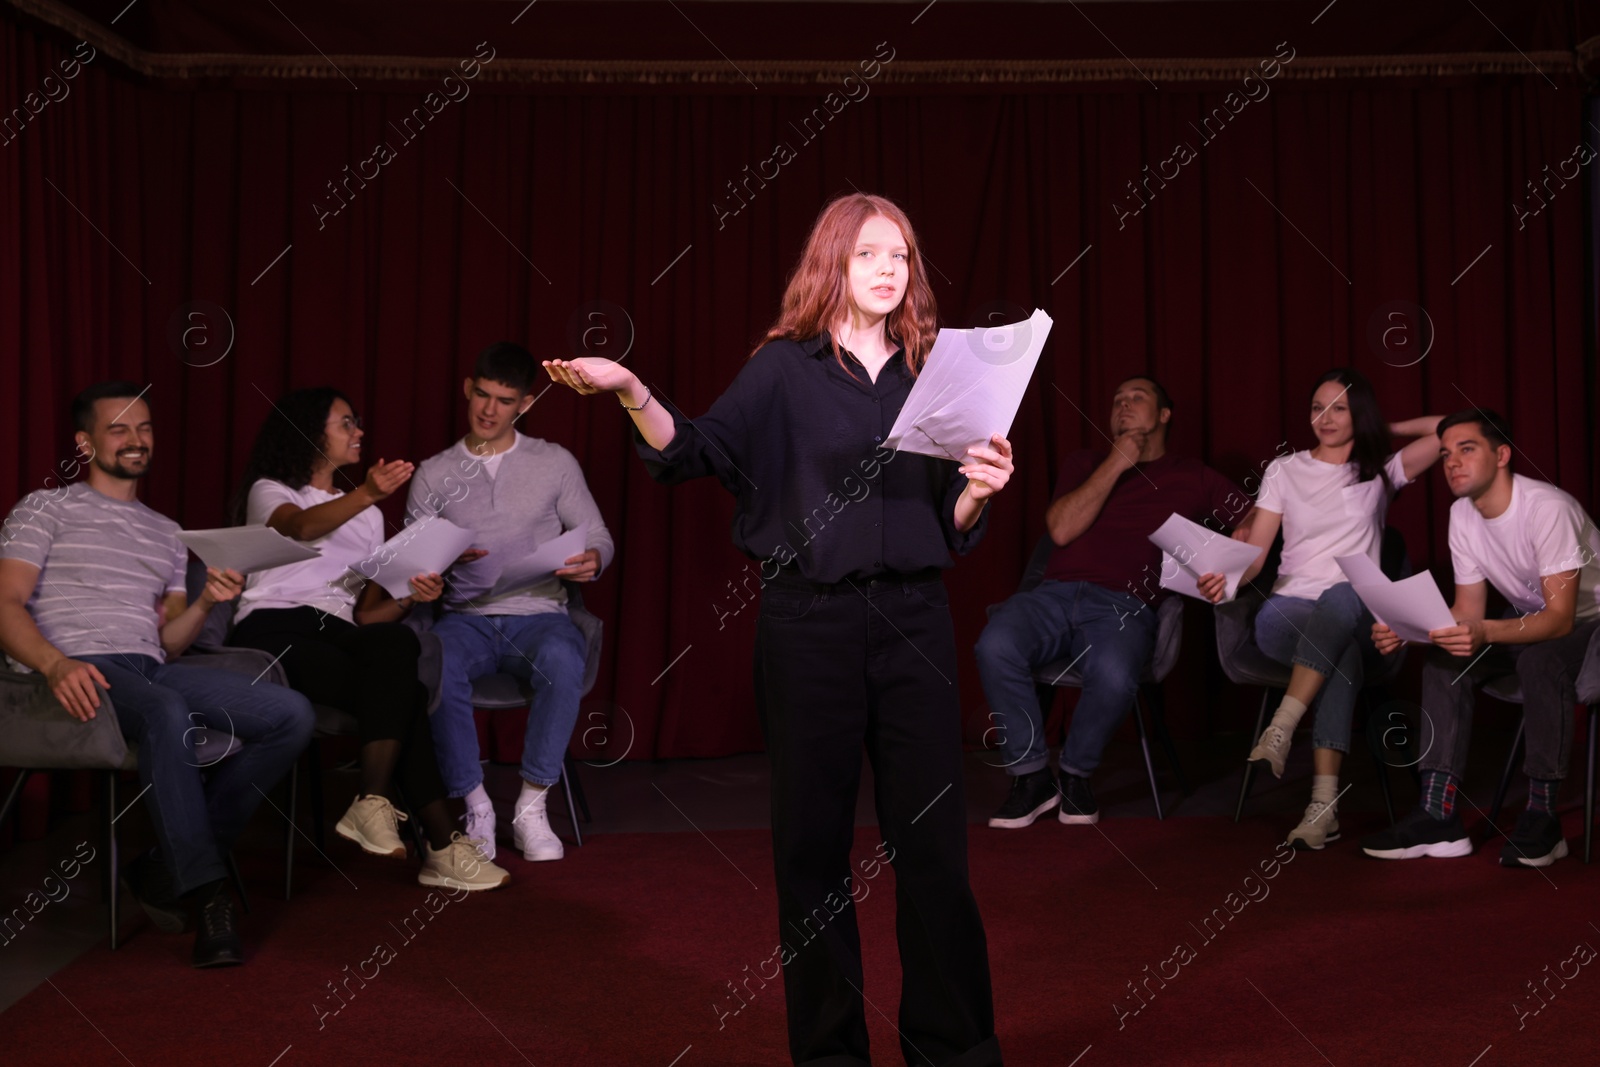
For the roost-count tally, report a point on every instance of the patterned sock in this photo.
(1287, 717)
(1439, 793)
(1324, 788)
(1542, 794)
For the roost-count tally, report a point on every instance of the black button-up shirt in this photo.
(799, 443)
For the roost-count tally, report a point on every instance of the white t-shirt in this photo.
(325, 583)
(490, 464)
(1543, 531)
(1326, 514)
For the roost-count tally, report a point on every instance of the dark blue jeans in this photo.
(1111, 636)
(159, 707)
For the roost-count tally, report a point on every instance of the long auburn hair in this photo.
(288, 444)
(1369, 447)
(817, 297)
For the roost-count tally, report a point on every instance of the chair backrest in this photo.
(1169, 637)
(1588, 680)
(1033, 574)
(1392, 557)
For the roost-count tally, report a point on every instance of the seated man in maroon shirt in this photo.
(1096, 604)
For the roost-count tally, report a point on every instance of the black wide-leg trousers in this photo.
(837, 667)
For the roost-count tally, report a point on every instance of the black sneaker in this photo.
(150, 884)
(1420, 834)
(1031, 796)
(1536, 841)
(1077, 801)
(216, 941)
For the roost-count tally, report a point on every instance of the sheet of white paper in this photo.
(969, 388)
(541, 563)
(1410, 607)
(245, 548)
(427, 546)
(1189, 550)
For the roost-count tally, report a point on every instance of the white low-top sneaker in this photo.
(530, 829)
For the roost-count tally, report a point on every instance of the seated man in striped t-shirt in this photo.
(92, 597)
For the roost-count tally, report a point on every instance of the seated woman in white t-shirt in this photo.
(339, 637)
(1330, 501)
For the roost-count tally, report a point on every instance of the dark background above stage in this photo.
(1315, 209)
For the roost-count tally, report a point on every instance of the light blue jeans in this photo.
(547, 651)
(1331, 635)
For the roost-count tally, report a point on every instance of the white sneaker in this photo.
(461, 865)
(530, 829)
(1318, 828)
(480, 828)
(373, 823)
(1273, 747)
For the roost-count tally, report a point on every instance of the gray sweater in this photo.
(536, 494)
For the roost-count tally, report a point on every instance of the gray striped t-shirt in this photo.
(104, 567)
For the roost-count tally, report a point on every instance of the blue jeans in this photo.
(1330, 634)
(159, 706)
(547, 651)
(1111, 635)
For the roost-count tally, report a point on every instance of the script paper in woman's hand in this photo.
(970, 388)
(1189, 550)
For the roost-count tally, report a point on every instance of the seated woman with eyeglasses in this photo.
(338, 636)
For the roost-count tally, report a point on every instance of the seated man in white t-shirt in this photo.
(1538, 547)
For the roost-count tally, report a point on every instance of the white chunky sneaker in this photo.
(530, 829)
(1273, 747)
(480, 828)
(1318, 828)
(461, 865)
(373, 823)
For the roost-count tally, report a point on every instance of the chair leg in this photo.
(1376, 746)
(1250, 768)
(1383, 784)
(1158, 725)
(318, 816)
(110, 878)
(569, 764)
(292, 787)
(1505, 778)
(1588, 788)
(238, 882)
(418, 837)
(572, 810)
(14, 792)
(1144, 744)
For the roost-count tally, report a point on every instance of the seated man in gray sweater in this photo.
(517, 493)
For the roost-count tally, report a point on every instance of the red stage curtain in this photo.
(1276, 253)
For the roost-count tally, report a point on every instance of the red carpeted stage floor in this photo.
(622, 954)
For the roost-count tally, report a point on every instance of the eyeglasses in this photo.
(348, 422)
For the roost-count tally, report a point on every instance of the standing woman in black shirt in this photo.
(854, 644)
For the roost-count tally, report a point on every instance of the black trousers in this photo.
(1548, 673)
(368, 671)
(839, 667)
